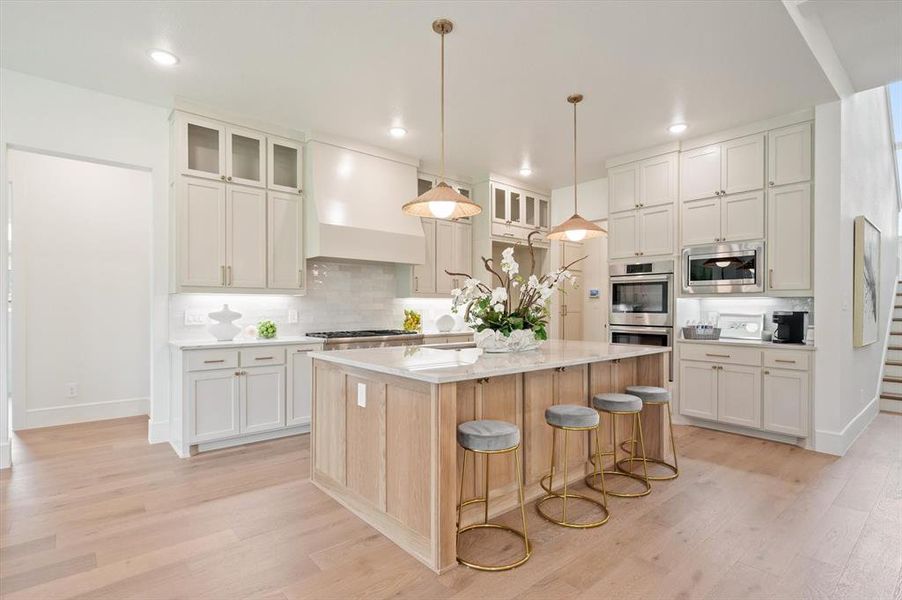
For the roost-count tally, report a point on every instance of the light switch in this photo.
(195, 317)
(361, 395)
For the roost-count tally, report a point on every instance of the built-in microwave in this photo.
(724, 268)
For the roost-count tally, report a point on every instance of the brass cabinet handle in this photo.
(264, 358)
(482, 380)
(783, 360)
(767, 372)
(300, 278)
(210, 362)
(222, 274)
(770, 276)
(416, 284)
(560, 369)
(718, 355)
(229, 275)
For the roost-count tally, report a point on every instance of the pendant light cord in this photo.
(575, 201)
(443, 106)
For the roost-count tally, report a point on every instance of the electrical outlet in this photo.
(71, 390)
(292, 316)
(195, 317)
(361, 395)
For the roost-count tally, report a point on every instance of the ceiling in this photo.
(353, 69)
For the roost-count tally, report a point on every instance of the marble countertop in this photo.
(440, 365)
(244, 342)
(750, 344)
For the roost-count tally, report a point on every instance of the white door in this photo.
(201, 232)
(656, 230)
(700, 172)
(285, 165)
(201, 150)
(424, 275)
(789, 154)
(623, 187)
(789, 237)
(623, 241)
(463, 251)
(742, 216)
(701, 221)
(213, 406)
(698, 389)
(658, 180)
(742, 164)
(444, 256)
(245, 157)
(300, 387)
(262, 399)
(786, 401)
(246, 237)
(286, 251)
(739, 395)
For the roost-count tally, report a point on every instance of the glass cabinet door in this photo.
(245, 157)
(285, 164)
(202, 148)
(531, 212)
(500, 210)
(543, 214)
(516, 212)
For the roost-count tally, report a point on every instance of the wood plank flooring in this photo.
(93, 511)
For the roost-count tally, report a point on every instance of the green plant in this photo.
(266, 329)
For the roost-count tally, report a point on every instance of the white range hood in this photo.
(353, 200)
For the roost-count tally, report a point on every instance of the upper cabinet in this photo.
(789, 238)
(623, 187)
(200, 148)
(449, 247)
(285, 161)
(700, 173)
(726, 168)
(648, 182)
(245, 157)
(517, 212)
(789, 155)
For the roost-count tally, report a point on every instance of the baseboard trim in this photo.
(839, 442)
(252, 438)
(5, 456)
(746, 431)
(890, 405)
(88, 411)
(157, 432)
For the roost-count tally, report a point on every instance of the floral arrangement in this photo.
(412, 320)
(492, 309)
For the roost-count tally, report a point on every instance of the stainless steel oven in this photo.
(642, 294)
(724, 268)
(644, 336)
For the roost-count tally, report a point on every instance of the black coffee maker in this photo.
(791, 326)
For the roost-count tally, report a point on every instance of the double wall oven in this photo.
(641, 296)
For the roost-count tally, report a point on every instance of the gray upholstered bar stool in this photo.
(488, 437)
(623, 405)
(652, 395)
(567, 418)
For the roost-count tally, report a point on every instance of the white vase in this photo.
(445, 323)
(224, 329)
(519, 340)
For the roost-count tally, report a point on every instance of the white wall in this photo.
(62, 119)
(847, 378)
(81, 264)
(593, 201)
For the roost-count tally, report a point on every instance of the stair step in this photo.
(892, 379)
(894, 363)
(894, 347)
(889, 396)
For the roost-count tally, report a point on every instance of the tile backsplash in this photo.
(340, 295)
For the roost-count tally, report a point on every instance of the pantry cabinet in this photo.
(789, 155)
(726, 168)
(789, 238)
(641, 232)
(731, 218)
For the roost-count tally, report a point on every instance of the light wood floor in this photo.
(92, 511)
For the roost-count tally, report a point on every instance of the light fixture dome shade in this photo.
(576, 223)
(420, 206)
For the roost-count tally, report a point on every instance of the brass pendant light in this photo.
(575, 228)
(442, 201)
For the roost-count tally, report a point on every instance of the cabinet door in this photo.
(742, 216)
(658, 180)
(573, 319)
(213, 411)
(246, 237)
(245, 157)
(463, 251)
(544, 222)
(739, 395)
(284, 242)
(201, 148)
(698, 389)
(515, 207)
(500, 207)
(789, 154)
(700, 172)
(571, 251)
(285, 165)
(742, 164)
(701, 221)
(623, 186)
(622, 235)
(656, 230)
(789, 237)
(786, 401)
(201, 232)
(262, 399)
(300, 387)
(444, 256)
(424, 275)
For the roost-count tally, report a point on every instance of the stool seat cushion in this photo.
(617, 402)
(487, 435)
(649, 393)
(571, 415)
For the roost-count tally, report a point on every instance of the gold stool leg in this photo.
(616, 470)
(674, 468)
(566, 495)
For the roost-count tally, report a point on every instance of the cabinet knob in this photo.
(723, 192)
(222, 177)
(229, 178)
(300, 191)
(767, 372)
(770, 183)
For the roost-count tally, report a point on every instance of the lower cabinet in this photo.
(262, 399)
(739, 395)
(300, 390)
(786, 401)
(213, 400)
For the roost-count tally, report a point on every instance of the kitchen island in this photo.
(385, 421)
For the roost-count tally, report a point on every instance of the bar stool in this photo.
(488, 437)
(655, 396)
(623, 404)
(567, 418)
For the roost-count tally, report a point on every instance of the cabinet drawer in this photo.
(258, 357)
(205, 360)
(721, 354)
(786, 359)
(503, 230)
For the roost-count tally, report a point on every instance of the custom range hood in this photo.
(351, 203)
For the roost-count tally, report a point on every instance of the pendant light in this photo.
(442, 201)
(575, 228)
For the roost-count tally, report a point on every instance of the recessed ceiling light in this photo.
(161, 57)
(397, 132)
(525, 171)
(677, 128)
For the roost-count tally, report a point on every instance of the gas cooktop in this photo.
(359, 333)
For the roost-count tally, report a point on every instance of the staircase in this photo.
(891, 388)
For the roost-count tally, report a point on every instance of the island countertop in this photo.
(439, 365)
